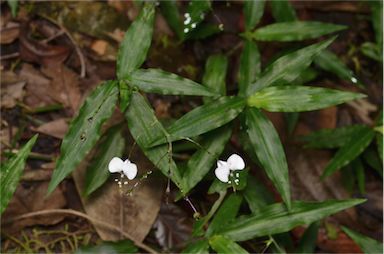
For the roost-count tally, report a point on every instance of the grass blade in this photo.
(112, 145)
(84, 130)
(144, 127)
(137, 40)
(294, 31)
(250, 66)
(287, 68)
(203, 119)
(269, 150)
(299, 98)
(222, 244)
(353, 148)
(367, 244)
(301, 213)
(253, 12)
(11, 173)
(332, 138)
(158, 81)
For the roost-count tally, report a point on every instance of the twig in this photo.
(9, 56)
(77, 48)
(82, 215)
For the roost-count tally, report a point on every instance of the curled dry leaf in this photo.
(9, 33)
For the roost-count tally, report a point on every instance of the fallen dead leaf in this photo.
(31, 198)
(56, 128)
(99, 46)
(11, 94)
(9, 33)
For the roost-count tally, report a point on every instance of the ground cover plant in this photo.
(219, 155)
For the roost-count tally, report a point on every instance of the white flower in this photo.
(224, 168)
(117, 165)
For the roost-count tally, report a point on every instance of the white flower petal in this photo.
(222, 173)
(115, 165)
(221, 164)
(235, 162)
(130, 170)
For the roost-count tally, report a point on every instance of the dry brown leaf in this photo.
(11, 94)
(56, 128)
(9, 33)
(99, 46)
(139, 211)
(31, 198)
(64, 85)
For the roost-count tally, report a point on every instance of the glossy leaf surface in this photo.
(137, 40)
(84, 130)
(158, 81)
(301, 213)
(267, 145)
(299, 98)
(11, 173)
(222, 244)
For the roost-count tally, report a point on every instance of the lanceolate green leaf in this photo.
(307, 242)
(295, 31)
(123, 247)
(215, 73)
(367, 244)
(204, 118)
(377, 21)
(171, 14)
(287, 68)
(136, 42)
(353, 148)
(330, 62)
(227, 212)
(198, 247)
(269, 150)
(253, 11)
(203, 160)
(13, 5)
(222, 244)
(276, 220)
(333, 138)
(299, 98)
(158, 81)
(11, 173)
(282, 11)
(250, 66)
(84, 130)
(144, 127)
(112, 146)
(256, 195)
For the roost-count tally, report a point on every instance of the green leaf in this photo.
(137, 40)
(222, 244)
(358, 168)
(171, 14)
(11, 173)
(330, 62)
(307, 242)
(13, 5)
(250, 66)
(217, 186)
(333, 138)
(195, 15)
(287, 68)
(144, 127)
(379, 144)
(282, 11)
(294, 31)
(201, 161)
(203, 119)
(253, 11)
(123, 246)
(299, 98)
(84, 130)
(367, 244)
(291, 120)
(267, 145)
(353, 148)
(215, 74)
(377, 21)
(282, 221)
(198, 247)
(227, 212)
(256, 195)
(125, 95)
(372, 51)
(158, 81)
(203, 31)
(112, 145)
